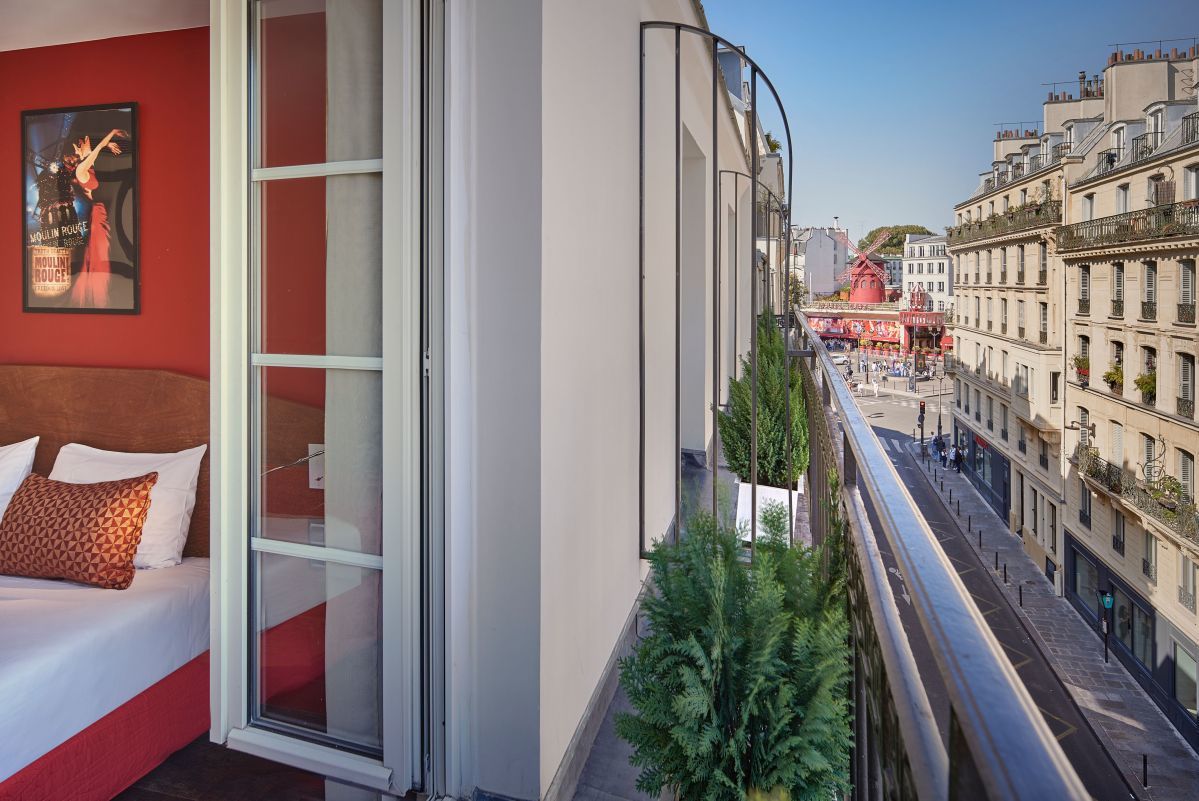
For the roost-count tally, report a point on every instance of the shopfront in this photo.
(1158, 655)
(987, 468)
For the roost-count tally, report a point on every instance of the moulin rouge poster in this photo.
(79, 180)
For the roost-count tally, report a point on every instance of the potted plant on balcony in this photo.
(1147, 384)
(740, 689)
(1114, 378)
(1082, 366)
(736, 430)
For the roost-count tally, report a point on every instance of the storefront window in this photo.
(1134, 627)
(1086, 580)
(1185, 679)
(1122, 613)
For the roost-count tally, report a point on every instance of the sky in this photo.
(893, 104)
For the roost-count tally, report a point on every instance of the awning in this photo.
(946, 341)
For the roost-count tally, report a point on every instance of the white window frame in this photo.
(230, 212)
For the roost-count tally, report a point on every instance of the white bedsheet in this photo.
(70, 654)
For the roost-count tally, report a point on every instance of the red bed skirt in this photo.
(121, 747)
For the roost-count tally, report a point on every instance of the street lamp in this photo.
(1106, 601)
(940, 390)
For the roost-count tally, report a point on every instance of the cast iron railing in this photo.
(1042, 277)
(1118, 544)
(1020, 276)
(1175, 510)
(1033, 215)
(1108, 159)
(1084, 305)
(1057, 151)
(1144, 145)
(1044, 337)
(1149, 570)
(1000, 745)
(1117, 308)
(1186, 408)
(1186, 312)
(1186, 598)
(1036, 162)
(1174, 219)
(1190, 128)
(1148, 310)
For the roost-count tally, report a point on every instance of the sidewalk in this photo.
(1123, 716)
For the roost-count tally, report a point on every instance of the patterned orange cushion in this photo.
(82, 532)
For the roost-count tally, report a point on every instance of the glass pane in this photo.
(1086, 581)
(1143, 631)
(321, 265)
(1123, 618)
(333, 499)
(1184, 679)
(317, 648)
(320, 81)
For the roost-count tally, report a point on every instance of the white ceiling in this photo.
(37, 23)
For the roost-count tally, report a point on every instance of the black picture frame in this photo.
(80, 271)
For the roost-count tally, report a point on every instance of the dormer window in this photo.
(1069, 135)
(1153, 123)
(1118, 139)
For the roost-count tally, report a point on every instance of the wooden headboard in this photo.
(144, 411)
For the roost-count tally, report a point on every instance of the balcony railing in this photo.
(1084, 305)
(1118, 544)
(1117, 308)
(1022, 446)
(1001, 745)
(1003, 276)
(1190, 128)
(1186, 408)
(1036, 162)
(1020, 277)
(1084, 517)
(1149, 570)
(988, 276)
(1144, 145)
(1043, 460)
(1020, 332)
(1174, 510)
(1003, 328)
(1002, 178)
(1148, 310)
(1042, 277)
(1174, 219)
(1033, 215)
(1186, 598)
(1108, 159)
(1186, 312)
(1058, 151)
(1044, 337)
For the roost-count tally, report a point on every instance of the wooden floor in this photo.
(205, 772)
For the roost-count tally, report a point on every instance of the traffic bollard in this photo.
(1005, 572)
(1021, 595)
(980, 539)
(997, 560)
(959, 507)
(1144, 770)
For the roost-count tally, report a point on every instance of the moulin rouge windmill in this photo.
(867, 281)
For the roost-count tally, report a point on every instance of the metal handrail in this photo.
(1175, 219)
(1010, 747)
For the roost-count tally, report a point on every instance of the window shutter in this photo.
(1084, 425)
(1186, 470)
(1084, 283)
(1150, 283)
(1117, 444)
(1147, 443)
(1187, 270)
(1186, 377)
(1119, 279)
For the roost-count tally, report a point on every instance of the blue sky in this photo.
(893, 105)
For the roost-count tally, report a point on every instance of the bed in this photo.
(100, 686)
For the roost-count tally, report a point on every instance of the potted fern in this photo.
(741, 689)
(774, 475)
(1114, 378)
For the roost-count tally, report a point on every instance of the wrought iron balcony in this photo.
(1148, 310)
(1155, 222)
(1159, 500)
(1108, 159)
(1042, 277)
(1020, 332)
(1084, 305)
(1118, 544)
(1003, 276)
(1190, 128)
(1149, 570)
(1186, 408)
(1022, 446)
(1186, 598)
(1002, 747)
(1043, 460)
(1033, 215)
(1148, 398)
(1058, 151)
(1117, 308)
(1002, 178)
(1003, 434)
(988, 276)
(1044, 337)
(990, 425)
(1084, 517)
(1144, 145)
(1186, 312)
(1036, 162)
(1003, 328)
(1020, 277)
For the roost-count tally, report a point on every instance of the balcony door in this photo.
(317, 647)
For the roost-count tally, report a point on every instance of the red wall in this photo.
(167, 75)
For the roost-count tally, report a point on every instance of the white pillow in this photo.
(16, 463)
(171, 500)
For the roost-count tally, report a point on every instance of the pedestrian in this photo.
(953, 455)
(957, 463)
(874, 381)
(944, 456)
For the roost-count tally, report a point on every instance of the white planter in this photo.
(765, 496)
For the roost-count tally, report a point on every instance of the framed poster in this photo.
(79, 209)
